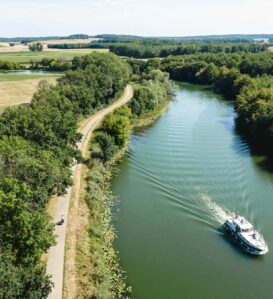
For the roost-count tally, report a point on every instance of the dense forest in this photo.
(37, 149)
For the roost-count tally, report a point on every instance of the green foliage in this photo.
(117, 126)
(82, 98)
(38, 168)
(225, 81)
(46, 125)
(78, 36)
(51, 64)
(207, 74)
(37, 148)
(38, 145)
(257, 64)
(105, 74)
(78, 46)
(25, 231)
(106, 146)
(240, 77)
(254, 106)
(9, 66)
(108, 278)
(163, 48)
(18, 281)
(36, 47)
(112, 134)
(149, 93)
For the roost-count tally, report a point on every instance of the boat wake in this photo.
(219, 214)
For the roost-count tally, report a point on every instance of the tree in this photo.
(25, 231)
(107, 146)
(37, 168)
(118, 126)
(18, 281)
(36, 47)
(224, 82)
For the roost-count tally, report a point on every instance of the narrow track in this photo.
(55, 263)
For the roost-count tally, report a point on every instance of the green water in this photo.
(180, 178)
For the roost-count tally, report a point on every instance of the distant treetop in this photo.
(78, 36)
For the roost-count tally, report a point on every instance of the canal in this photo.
(179, 180)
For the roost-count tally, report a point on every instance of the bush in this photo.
(107, 146)
(118, 126)
(36, 47)
(9, 66)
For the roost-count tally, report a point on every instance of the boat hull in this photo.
(242, 244)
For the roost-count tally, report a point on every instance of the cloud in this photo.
(142, 17)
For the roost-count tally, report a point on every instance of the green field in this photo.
(25, 57)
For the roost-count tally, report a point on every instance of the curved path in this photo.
(55, 263)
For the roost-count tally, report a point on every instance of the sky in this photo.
(137, 17)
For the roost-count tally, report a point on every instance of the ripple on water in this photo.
(183, 176)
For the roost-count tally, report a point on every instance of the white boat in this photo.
(243, 233)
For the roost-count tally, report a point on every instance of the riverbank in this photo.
(99, 273)
(144, 121)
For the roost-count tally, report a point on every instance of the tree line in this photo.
(78, 46)
(37, 149)
(51, 64)
(150, 50)
(9, 66)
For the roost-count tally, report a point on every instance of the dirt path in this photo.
(55, 263)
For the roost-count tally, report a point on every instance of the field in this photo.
(18, 89)
(5, 47)
(24, 57)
